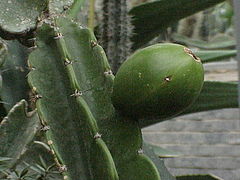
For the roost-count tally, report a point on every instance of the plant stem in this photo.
(76, 8)
(91, 15)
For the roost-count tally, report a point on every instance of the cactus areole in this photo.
(161, 81)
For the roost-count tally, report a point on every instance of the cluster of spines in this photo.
(116, 31)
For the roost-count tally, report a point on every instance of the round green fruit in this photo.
(158, 81)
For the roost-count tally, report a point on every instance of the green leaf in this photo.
(14, 73)
(17, 131)
(24, 172)
(214, 95)
(36, 154)
(44, 145)
(219, 43)
(149, 19)
(161, 152)
(198, 177)
(4, 159)
(215, 55)
(73, 134)
(3, 52)
(163, 171)
(19, 17)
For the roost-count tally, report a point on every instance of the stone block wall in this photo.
(209, 142)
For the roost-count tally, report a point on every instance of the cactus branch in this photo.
(116, 31)
(19, 17)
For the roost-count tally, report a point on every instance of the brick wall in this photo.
(209, 143)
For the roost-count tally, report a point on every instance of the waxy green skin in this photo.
(161, 80)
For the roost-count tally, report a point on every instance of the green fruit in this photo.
(159, 81)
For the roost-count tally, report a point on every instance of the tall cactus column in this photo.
(70, 127)
(116, 31)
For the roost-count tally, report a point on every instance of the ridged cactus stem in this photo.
(116, 31)
(72, 133)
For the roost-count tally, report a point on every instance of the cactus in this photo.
(75, 131)
(94, 94)
(116, 31)
(56, 7)
(18, 18)
(71, 86)
(97, 89)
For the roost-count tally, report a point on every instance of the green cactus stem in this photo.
(19, 17)
(72, 131)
